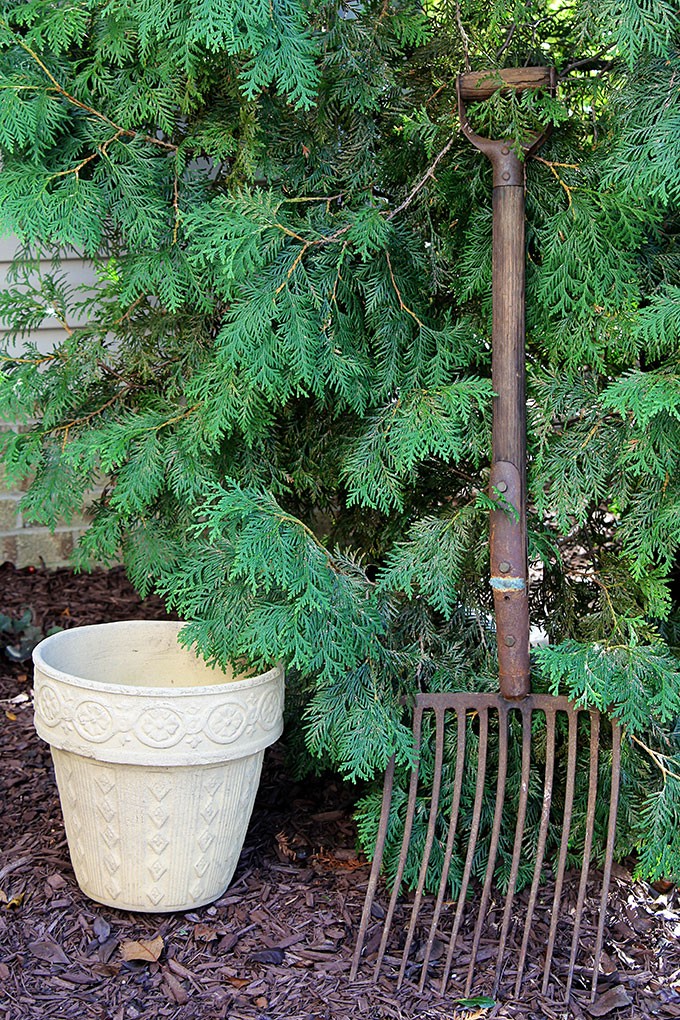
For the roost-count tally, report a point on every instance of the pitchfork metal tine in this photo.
(461, 717)
(517, 848)
(588, 845)
(482, 706)
(375, 869)
(609, 852)
(474, 832)
(495, 836)
(429, 839)
(408, 827)
(542, 837)
(564, 845)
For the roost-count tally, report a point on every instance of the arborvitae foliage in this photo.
(284, 368)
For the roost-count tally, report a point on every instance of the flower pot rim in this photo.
(54, 673)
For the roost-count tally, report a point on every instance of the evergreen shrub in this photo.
(284, 369)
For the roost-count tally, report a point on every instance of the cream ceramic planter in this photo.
(157, 759)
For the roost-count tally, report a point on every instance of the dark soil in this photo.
(279, 943)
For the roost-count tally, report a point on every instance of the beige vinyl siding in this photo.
(22, 544)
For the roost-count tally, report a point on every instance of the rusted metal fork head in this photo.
(475, 735)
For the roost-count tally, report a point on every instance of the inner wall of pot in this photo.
(131, 654)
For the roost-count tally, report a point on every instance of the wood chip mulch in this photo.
(279, 942)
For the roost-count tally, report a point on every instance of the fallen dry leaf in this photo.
(238, 982)
(615, 998)
(101, 928)
(16, 901)
(51, 952)
(148, 950)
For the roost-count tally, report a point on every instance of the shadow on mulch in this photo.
(279, 942)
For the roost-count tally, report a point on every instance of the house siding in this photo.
(21, 543)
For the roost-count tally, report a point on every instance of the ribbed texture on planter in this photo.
(158, 772)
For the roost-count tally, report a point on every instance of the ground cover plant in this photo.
(284, 368)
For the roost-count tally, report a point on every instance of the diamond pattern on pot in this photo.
(196, 891)
(158, 843)
(105, 781)
(205, 840)
(158, 815)
(75, 834)
(213, 784)
(157, 789)
(157, 870)
(112, 863)
(209, 813)
(201, 866)
(106, 810)
(160, 788)
(110, 836)
(251, 770)
(66, 773)
(113, 889)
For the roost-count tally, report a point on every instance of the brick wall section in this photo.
(28, 545)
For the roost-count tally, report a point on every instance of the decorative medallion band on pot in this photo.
(157, 758)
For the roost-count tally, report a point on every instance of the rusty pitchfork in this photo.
(446, 711)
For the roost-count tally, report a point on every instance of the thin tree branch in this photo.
(175, 203)
(595, 63)
(437, 92)
(429, 173)
(403, 306)
(93, 414)
(657, 757)
(507, 40)
(551, 166)
(464, 36)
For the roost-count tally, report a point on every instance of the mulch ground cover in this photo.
(279, 942)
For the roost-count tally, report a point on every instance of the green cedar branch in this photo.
(59, 88)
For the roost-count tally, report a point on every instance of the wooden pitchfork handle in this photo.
(508, 529)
